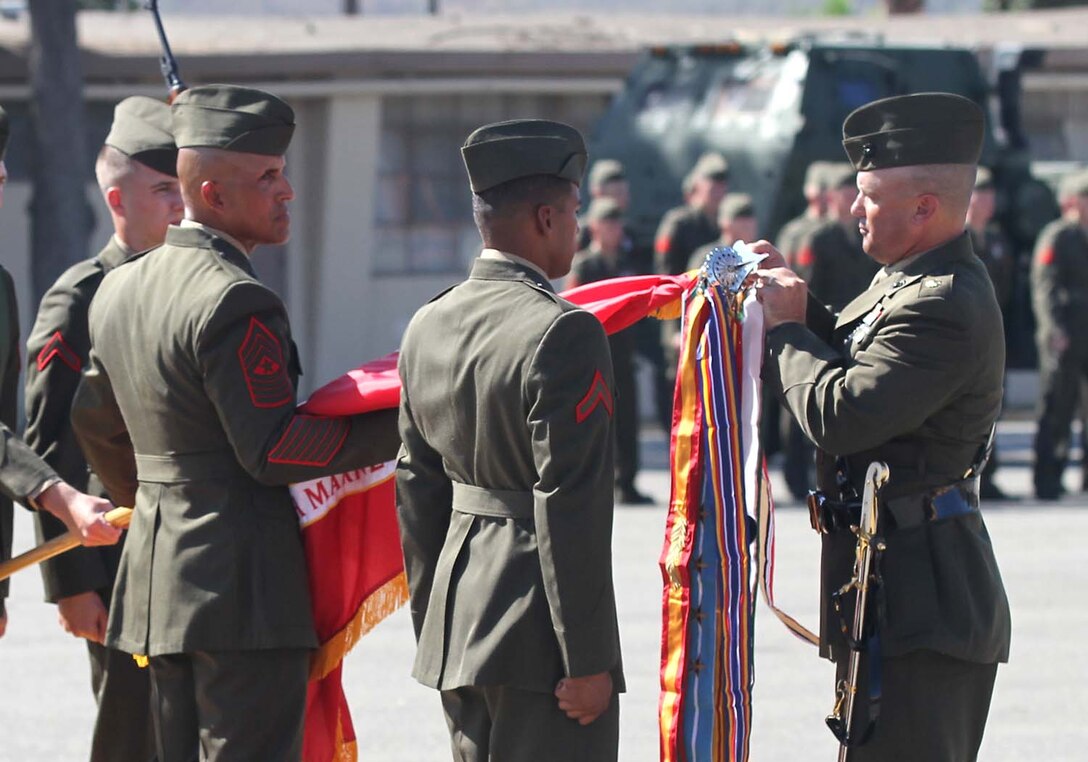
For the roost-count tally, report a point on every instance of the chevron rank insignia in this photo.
(598, 394)
(57, 348)
(263, 366)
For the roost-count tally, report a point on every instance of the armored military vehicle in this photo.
(773, 108)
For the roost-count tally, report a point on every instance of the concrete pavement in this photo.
(46, 708)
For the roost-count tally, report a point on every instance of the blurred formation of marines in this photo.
(187, 407)
(995, 251)
(24, 476)
(736, 222)
(1059, 297)
(830, 257)
(137, 174)
(600, 260)
(684, 229)
(795, 231)
(909, 373)
(504, 482)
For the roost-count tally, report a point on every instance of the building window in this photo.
(423, 215)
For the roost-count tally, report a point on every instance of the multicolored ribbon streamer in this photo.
(719, 485)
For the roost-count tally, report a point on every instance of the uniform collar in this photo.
(194, 235)
(493, 264)
(115, 253)
(905, 272)
(218, 233)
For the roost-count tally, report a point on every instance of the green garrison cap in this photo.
(606, 171)
(498, 153)
(142, 130)
(736, 205)
(1074, 184)
(984, 179)
(839, 173)
(711, 164)
(816, 175)
(5, 128)
(233, 118)
(604, 209)
(925, 128)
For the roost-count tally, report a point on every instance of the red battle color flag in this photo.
(349, 523)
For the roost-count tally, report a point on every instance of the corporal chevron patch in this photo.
(57, 349)
(598, 394)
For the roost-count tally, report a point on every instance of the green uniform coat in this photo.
(683, 229)
(793, 233)
(22, 473)
(1059, 297)
(504, 485)
(834, 265)
(188, 407)
(58, 348)
(909, 373)
(994, 250)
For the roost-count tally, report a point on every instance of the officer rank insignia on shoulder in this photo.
(935, 285)
(598, 394)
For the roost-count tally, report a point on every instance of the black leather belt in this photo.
(828, 516)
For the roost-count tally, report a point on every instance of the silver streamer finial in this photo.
(729, 266)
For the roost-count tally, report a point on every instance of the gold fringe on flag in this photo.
(378, 605)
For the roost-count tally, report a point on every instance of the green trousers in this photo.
(229, 706)
(123, 730)
(933, 708)
(504, 724)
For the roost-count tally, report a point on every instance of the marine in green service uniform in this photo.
(601, 259)
(504, 482)
(694, 223)
(830, 258)
(682, 230)
(736, 222)
(815, 191)
(1059, 297)
(607, 178)
(909, 373)
(136, 170)
(995, 251)
(187, 407)
(25, 477)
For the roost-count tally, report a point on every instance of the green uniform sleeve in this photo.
(847, 405)
(569, 389)
(670, 255)
(22, 473)
(57, 350)
(424, 506)
(244, 353)
(1048, 278)
(102, 434)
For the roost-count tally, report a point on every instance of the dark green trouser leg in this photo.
(230, 705)
(933, 709)
(123, 730)
(503, 724)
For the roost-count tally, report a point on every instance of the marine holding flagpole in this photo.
(909, 373)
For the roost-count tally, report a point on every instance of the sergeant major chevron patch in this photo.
(263, 366)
